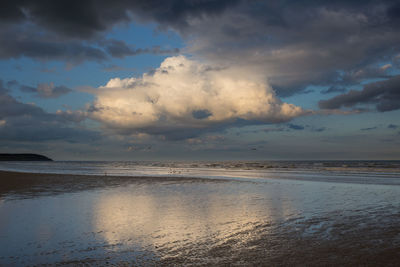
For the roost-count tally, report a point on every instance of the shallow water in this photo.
(200, 222)
(371, 172)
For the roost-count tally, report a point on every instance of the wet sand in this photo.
(151, 221)
(19, 185)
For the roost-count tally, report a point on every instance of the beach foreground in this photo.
(110, 220)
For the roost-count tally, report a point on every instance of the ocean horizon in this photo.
(290, 169)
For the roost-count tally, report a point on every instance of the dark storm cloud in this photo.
(71, 30)
(27, 41)
(385, 95)
(392, 126)
(27, 122)
(86, 19)
(301, 43)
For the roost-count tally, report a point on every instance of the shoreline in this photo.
(177, 174)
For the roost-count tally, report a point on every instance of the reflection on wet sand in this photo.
(170, 223)
(149, 222)
(236, 226)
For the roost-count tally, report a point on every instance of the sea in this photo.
(354, 171)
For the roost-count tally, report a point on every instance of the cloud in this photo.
(30, 41)
(115, 68)
(76, 31)
(292, 44)
(71, 116)
(44, 90)
(27, 122)
(120, 49)
(10, 107)
(268, 130)
(37, 129)
(184, 98)
(385, 95)
(320, 129)
(288, 127)
(201, 114)
(87, 19)
(295, 44)
(18, 41)
(340, 111)
(334, 89)
(369, 128)
(392, 126)
(295, 126)
(358, 75)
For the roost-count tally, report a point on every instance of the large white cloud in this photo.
(185, 94)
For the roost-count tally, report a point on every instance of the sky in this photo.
(200, 79)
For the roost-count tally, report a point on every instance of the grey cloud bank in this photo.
(27, 122)
(384, 95)
(294, 44)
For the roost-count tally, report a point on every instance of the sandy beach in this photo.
(151, 221)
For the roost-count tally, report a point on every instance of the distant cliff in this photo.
(23, 157)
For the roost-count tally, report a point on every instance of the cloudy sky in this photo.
(200, 79)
